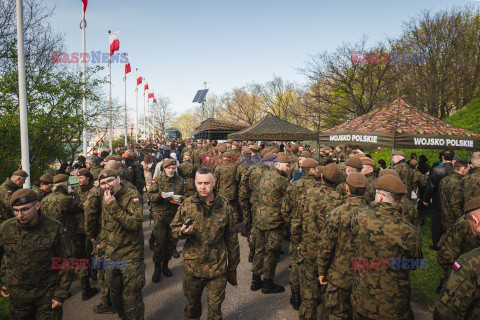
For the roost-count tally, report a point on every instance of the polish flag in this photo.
(154, 100)
(85, 2)
(150, 95)
(139, 79)
(145, 87)
(114, 43)
(456, 265)
(127, 68)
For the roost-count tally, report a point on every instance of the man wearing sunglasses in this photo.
(7, 188)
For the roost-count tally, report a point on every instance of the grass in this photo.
(424, 282)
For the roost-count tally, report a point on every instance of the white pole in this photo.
(22, 94)
(110, 97)
(126, 126)
(83, 25)
(144, 116)
(136, 106)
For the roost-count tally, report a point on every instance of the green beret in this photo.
(23, 196)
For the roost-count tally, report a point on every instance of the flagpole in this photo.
(22, 94)
(83, 25)
(110, 96)
(126, 128)
(144, 116)
(136, 106)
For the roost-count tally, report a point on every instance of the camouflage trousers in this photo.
(83, 248)
(358, 316)
(38, 312)
(215, 290)
(104, 288)
(164, 241)
(309, 290)
(337, 302)
(293, 277)
(267, 249)
(237, 212)
(126, 290)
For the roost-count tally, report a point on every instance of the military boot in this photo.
(295, 299)
(257, 283)
(87, 291)
(165, 270)
(175, 253)
(270, 287)
(104, 308)
(157, 273)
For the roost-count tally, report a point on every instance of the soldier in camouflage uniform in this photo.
(368, 170)
(226, 183)
(468, 185)
(404, 171)
(93, 167)
(12, 184)
(459, 298)
(336, 249)
(122, 234)
(293, 160)
(314, 206)
(211, 253)
(269, 226)
(29, 243)
(353, 164)
(44, 184)
(164, 209)
(448, 186)
(186, 170)
(383, 292)
(289, 209)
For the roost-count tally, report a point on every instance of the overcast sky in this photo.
(179, 44)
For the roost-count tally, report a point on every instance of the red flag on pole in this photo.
(127, 68)
(150, 95)
(139, 79)
(154, 100)
(114, 43)
(85, 2)
(145, 87)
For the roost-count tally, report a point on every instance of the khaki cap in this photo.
(60, 178)
(283, 158)
(20, 173)
(385, 172)
(398, 153)
(391, 184)
(106, 173)
(169, 162)
(367, 161)
(294, 148)
(46, 178)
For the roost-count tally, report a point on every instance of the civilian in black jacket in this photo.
(432, 192)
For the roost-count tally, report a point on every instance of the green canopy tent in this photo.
(400, 125)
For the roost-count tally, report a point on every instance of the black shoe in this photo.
(175, 254)
(257, 282)
(87, 291)
(103, 309)
(251, 254)
(295, 300)
(157, 273)
(270, 287)
(165, 270)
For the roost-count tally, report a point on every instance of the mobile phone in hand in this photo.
(188, 223)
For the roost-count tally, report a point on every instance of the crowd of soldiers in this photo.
(353, 228)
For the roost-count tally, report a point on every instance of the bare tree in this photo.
(244, 104)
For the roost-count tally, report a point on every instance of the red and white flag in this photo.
(139, 78)
(150, 95)
(127, 68)
(456, 265)
(154, 100)
(85, 2)
(145, 87)
(114, 43)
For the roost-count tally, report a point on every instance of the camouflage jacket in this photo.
(6, 190)
(314, 207)
(95, 170)
(139, 177)
(163, 209)
(406, 175)
(186, 170)
(381, 290)
(82, 194)
(226, 181)
(255, 177)
(419, 180)
(369, 194)
(460, 296)
(128, 174)
(197, 157)
(271, 190)
(122, 228)
(42, 194)
(448, 186)
(64, 207)
(410, 212)
(336, 248)
(244, 195)
(213, 242)
(465, 192)
(457, 240)
(30, 278)
(292, 196)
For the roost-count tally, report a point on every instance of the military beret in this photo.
(264, 152)
(398, 153)
(84, 172)
(294, 148)
(477, 193)
(23, 196)
(385, 172)
(106, 173)
(354, 162)
(60, 178)
(117, 157)
(46, 178)
(20, 173)
(357, 180)
(269, 156)
(221, 148)
(391, 184)
(283, 158)
(367, 161)
(309, 163)
(305, 154)
(229, 141)
(472, 205)
(246, 150)
(169, 162)
(332, 173)
(254, 147)
(109, 158)
(275, 150)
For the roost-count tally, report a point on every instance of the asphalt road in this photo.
(165, 300)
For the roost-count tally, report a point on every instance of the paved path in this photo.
(165, 300)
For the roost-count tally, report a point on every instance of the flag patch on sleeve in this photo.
(456, 265)
(136, 200)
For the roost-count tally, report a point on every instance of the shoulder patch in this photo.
(456, 265)
(136, 200)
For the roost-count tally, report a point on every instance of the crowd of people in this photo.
(353, 228)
